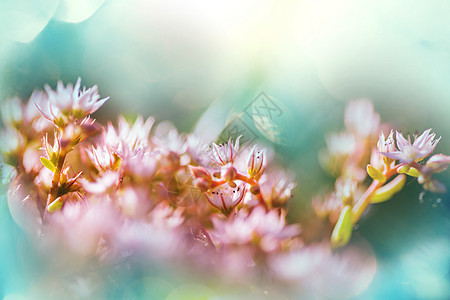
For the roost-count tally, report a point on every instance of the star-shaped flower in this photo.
(408, 152)
(224, 153)
(69, 102)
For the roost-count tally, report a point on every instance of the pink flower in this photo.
(11, 143)
(102, 184)
(160, 234)
(69, 102)
(12, 112)
(256, 162)
(225, 199)
(102, 158)
(129, 139)
(299, 265)
(361, 118)
(202, 177)
(223, 154)
(140, 165)
(386, 145)
(268, 229)
(438, 163)
(134, 202)
(167, 139)
(80, 226)
(421, 148)
(277, 186)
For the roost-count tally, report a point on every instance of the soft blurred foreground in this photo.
(278, 73)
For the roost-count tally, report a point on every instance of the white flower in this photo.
(421, 148)
(102, 158)
(268, 229)
(128, 140)
(225, 198)
(224, 153)
(69, 102)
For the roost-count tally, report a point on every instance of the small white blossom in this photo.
(67, 102)
(256, 162)
(224, 153)
(225, 198)
(408, 152)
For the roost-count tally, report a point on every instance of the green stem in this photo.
(56, 178)
(363, 203)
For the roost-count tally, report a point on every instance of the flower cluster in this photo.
(390, 161)
(102, 193)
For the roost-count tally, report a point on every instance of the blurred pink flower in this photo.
(102, 184)
(134, 201)
(12, 112)
(438, 163)
(269, 229)
(140, 165)
(17, 114)
(80, 225)
(361, 118)
(277, 185)
(167, 139)
(12, 143)
(128, 140)
(158, 235)
(101, 157)
(298, 265)
(421, 148)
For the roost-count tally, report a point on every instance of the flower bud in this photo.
(52, 151)
(435, 186)
(256, 162)
(232, 184)
(202, 184)
(255, 190)
(229, 173)
(386, 146)
(88, 127)
(438, 163)
(201, 173)
(345, 190)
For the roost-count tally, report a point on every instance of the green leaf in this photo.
(413, 172)
(386, 192)
(375, 174)
(343, 229)
(48, 164)
(408, 170)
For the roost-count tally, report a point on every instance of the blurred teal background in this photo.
(208, 60)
